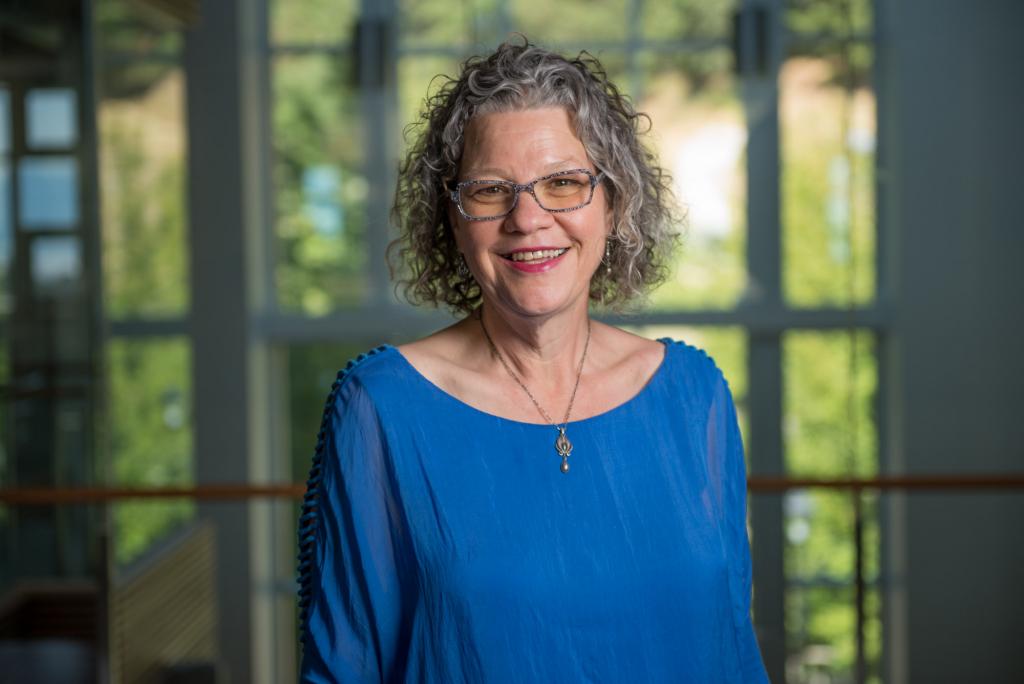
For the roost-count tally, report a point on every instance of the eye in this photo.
(482, 190)
(564, 182)
(569, 185)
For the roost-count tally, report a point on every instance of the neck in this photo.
(544, 352)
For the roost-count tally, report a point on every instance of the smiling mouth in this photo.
(539, 255)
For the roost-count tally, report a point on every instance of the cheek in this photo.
(463, 235)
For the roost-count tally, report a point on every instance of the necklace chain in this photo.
(572, 398)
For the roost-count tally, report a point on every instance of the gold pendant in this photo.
(564, 447)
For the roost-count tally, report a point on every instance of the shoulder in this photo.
(370, 376)
(694, 366)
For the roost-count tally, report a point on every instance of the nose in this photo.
(527, 216)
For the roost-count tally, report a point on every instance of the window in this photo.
(789, 314)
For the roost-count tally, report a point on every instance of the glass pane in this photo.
(51, 118)
(571, 21)
(168, 606)
(820, 566)
(700, 135)
(48, 192)
(828, 128)
(6, 238)
(161, 614)
(320, 187)
(820, 625)
(312, 21)
(828, 417)
(150, 436)
(127, 26)
(5, 121)
(143, 207)
(469, 25)
(726, 346)
(819, 536)
(415, 83)
(836, 17)
(56, 266)
(674, 19)
(311, 370)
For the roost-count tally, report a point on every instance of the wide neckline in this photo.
(647, 387)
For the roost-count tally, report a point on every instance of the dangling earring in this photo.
(462, 268)
(607, 261)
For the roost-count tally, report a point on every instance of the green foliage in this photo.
(144, 256)
(416, 78)
(567, 21)
(827, 30)
(828, 423)
(468, 24)
(150, 436)
(317, 123)
(122, 26)
(827, 613)
(145, 275)
(836, 17)
(695, 109)
(312, 21)
(311, 370)
(674, 19)
(829, 431)
(828, 216)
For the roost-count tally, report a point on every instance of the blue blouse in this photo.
(440, 543)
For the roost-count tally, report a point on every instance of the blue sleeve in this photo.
(351, 549)
(724, 434)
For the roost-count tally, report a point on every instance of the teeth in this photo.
(538, 255)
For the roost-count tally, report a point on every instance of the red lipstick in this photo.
(538, 266)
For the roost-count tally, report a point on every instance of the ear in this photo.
(609, 211)
(452, 218)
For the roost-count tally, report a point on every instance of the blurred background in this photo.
(194, 201)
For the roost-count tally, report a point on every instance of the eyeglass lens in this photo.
(570, 190)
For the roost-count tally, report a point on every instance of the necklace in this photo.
(563, 447)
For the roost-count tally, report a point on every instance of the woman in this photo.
(529, 495)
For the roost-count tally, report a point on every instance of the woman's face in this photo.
(521, 146)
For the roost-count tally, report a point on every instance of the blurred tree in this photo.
(144, 226)
(149, 385)
(318, 134)
(150, 437)
(145, 266)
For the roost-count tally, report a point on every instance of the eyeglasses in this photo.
(484, 200)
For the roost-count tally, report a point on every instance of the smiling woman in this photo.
(439, 542)
(564, 244)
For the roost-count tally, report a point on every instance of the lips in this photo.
(535, 260)
(535, 255)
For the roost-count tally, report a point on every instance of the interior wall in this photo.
(951, 117)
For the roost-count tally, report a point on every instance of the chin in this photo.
(539, 303)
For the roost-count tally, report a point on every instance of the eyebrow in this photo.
(571, 163)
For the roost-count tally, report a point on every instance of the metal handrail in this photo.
(757, 484)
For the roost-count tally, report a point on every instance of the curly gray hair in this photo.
(517, 77)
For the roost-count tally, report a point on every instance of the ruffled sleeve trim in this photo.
(680, 345)
(308, 518)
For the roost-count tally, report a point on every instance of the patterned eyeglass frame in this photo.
(518, 188)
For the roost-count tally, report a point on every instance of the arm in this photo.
(724, 435)
(351, 541)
